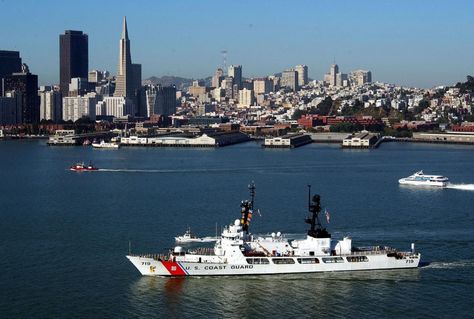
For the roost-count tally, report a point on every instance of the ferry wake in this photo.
(238, 252)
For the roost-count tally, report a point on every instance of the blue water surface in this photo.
(64, 235)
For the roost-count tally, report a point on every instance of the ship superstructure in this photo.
(420, 179)
(104, 144)
(238, 252)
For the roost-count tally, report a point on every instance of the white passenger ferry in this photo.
(104, 144)
(238, 252)
(420, 179)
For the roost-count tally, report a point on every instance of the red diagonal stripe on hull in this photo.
(173, 268)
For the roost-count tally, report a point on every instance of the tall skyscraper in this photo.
(334, 77)
(165, 103)
(360, 77)
(289, 79)
(235, 71)
(217, 78)
(123, 86)
(262, 86)
(11, 104)
(333, 72)
(10, 108)
(27, 84)
(150, 96)
(227, 85)
(129, 75)
(10, 62)
(302, 71)
(73, 58)
(136, 76)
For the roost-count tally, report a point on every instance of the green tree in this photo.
(324, 107)
(345, 127)
(424, 104)
(297, 114)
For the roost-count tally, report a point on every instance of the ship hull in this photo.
(422, 183)
(148, 266)
(110, 146)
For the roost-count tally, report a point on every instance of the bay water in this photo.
(64, 235)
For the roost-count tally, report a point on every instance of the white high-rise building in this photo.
(116, 106)
(95, 76)
(150, 96)
(302, 71)
(124, 75)
(245, 98)
(50, 104)
(78, 86)
(262, 86)
(333, 73)
(360, 77)
(217, 78)
(289, 79)
(217, 93)
(335, 78)
(77, 107)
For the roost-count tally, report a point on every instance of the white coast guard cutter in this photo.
(238, 252)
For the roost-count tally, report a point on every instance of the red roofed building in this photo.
(464, 127)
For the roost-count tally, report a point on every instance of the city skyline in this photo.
(404, 43)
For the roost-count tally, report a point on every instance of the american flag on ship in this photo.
(328, 216)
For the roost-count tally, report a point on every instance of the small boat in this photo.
(188, 237)
(81, 167)
(420, 179)
(104, 144)
(87, 142)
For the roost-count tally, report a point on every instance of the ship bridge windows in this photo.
(283, 261)
(258, 261)
(357, 259)
(308, 260)
(333, 260)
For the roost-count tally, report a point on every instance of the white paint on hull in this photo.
(152, 267)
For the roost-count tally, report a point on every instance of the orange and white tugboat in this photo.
(81, 167)
(238, 252)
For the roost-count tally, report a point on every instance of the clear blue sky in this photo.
(409, 42)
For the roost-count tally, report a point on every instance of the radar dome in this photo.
(237, 222)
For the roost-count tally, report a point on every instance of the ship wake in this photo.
(450, 265)
(199, 170)
(136, 170)
(464, 187)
